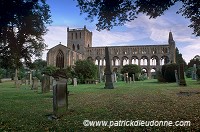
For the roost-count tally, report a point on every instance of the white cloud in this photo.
(106, 38)
(54, 36)
(140, 29)
(192, 49)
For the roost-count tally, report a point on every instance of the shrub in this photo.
(198, 73)
(189, 72)
(168, 73)
(131, 69)
(160, 76)
(85, 69)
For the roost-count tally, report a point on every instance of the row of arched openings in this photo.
(116, 61)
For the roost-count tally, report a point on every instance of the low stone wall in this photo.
(6, 79)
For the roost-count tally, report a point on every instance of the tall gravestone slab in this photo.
(35, 84)
(194, 75)
(108, 73)
(126, 77)
(30, 78)
(45, 84)
(114, 77)
(182, 81)
(74, 81)
(52, 82)
(60, 98)
(176, 76)
(133, 77)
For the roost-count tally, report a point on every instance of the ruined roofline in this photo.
(132, 46)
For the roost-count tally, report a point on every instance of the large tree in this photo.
(179, 58)
(85, 69)
(111, 13)
(195, 60)
(22, 25)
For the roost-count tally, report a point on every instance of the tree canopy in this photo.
(85, 69)
(111, 13)
(131, 69)
(195, 60)
(22, 25)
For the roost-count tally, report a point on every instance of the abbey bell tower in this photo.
(78, 39)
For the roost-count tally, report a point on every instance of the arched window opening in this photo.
(134, 61)
(73, 47)
(60, 59)
(78, 47)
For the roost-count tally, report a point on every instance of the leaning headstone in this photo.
(74, 81)
(108, 73)
(45, 84)
(182, 81)
(35, 84)
(176, 76)
(60, 98)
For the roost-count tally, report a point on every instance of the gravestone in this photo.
(114, 77)
(45, 84)
(194, 75)
(130, 79)
(35, 84)
(182, 81)
(52, 82)
(176, 76)
(108, 73)
(133, 77)
(26, 82)
(60, 98)
(74, 81)
(99, 72)
(126, 77)
(17, 83)
(30, 78)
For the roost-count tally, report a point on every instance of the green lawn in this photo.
(26, 110)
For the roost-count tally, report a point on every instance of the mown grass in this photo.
(26, 110)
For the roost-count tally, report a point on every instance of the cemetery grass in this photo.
(27, 110)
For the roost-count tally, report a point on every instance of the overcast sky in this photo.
(138, 32)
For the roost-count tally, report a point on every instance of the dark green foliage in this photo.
(23, 23)
(111, 13)
(195, 60)
(198, 73)
(179, 59)
(160, 76)
(168, 73)
(57, 72)
(49, 70)
(189, 72)
(131, 69)
(85, 69)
